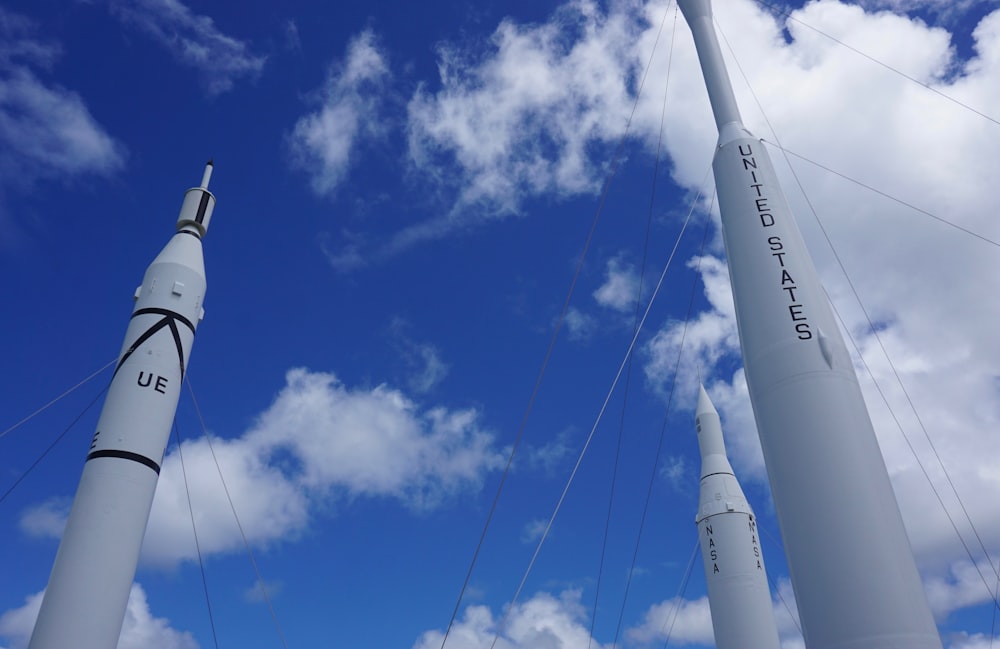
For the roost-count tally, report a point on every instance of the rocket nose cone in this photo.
(705, 405)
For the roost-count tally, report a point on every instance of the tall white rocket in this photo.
(855, 580)
(84, 603)
(738, 595)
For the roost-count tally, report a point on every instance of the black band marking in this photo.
(165, 312)
(170, 319)
(193, 234)
(202, 207)
(126, 455)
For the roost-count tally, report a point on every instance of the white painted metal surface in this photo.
(855, 579)
(738, 593)
(84, 604)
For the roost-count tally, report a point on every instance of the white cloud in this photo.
(620, 285)
(683, 621)
(929, 288)
(943, 10)
(533, 530)
(971, 641)
(192, 39)
(543, 622)
(47, 518)
(686, 621)
(422, 361)
(324, 141)
(319, 440)
(707, 338)
(579, 325)
(46, 131)
(961, 588)
(140, 628)
(522, 118)
(678, 474)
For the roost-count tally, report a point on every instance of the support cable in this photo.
(878, 338)
(51, 446)
(788, 152)
(593, 430)
(787, 14)
(777, 590)
(57, 399)
(668, 624)
(616, 158)
(635, 326)
(194, 530)
(663, 427)
(243, 535)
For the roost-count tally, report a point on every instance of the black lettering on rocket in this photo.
(796, 311)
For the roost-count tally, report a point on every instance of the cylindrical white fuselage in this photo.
(856, 582)
(738, 593)
(84, 603)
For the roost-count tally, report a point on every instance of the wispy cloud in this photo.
(324, 141)
(193, 39)
(47, 518)
(46, 131)
(621, 283)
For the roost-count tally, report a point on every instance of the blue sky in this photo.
(403, 194)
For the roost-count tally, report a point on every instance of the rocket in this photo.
(738, 594)
(84, 603)
(855, 579)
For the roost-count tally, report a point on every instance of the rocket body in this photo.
(738, 594)
(85, 601)
(855, 580)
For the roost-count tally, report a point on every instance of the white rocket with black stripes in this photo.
(84, 604)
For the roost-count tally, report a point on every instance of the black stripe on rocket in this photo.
(170, 320)
(202, 207)
(126, 455)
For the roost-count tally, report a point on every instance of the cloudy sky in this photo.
(405, 196)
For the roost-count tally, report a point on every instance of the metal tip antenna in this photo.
(208, 174)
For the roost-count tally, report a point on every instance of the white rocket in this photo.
(738, 595)
(84, 604)
(855, 580)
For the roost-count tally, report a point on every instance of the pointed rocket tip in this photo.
(704, 403)
(209, 167)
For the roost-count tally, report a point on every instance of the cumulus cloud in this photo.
(683, 621)
(621, 283)
(911, 272)
(543, 622)
(140, 628)
(193, 39)
(46, 131)
(686, 621)
(319, 440)
(324, 141)
(523, 117)
(710, 336)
